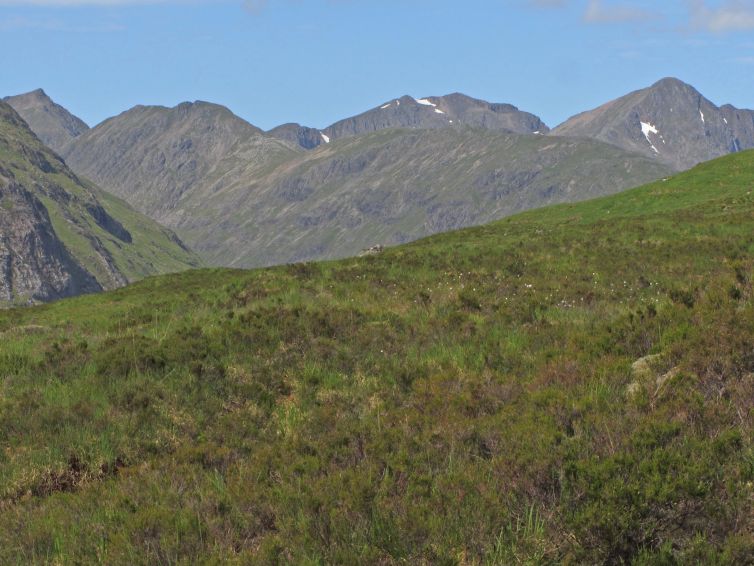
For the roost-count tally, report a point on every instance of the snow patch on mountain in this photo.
(646, 129)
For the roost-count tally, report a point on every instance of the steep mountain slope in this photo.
(394, 186)
(52, 123)
(62, 236)
(670, 121)
(571, 385)
(158, 158)
(741, 122)
(433, 112)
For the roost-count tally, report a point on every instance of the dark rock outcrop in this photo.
(308, 138)
(34, 263)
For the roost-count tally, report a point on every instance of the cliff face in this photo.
(34, 263)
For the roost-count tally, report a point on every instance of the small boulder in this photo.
(374, 250)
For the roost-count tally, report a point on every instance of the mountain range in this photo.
(61, 235)
(410, 167)
(242, 198)
(433, 112)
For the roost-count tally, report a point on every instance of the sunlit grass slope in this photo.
(480, 397)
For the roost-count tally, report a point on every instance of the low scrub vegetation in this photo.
(474, 398)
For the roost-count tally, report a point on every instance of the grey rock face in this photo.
(741, 123)
(52, 123)
(34, 264)
(308, 138)
(669, 121)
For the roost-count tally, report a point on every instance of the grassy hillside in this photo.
(568, 385)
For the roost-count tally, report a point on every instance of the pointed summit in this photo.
(671, 82)
(670, 121)
(52, 123)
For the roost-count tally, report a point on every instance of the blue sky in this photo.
(316, 61)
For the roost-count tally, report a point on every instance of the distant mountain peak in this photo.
(40, 93)
(670, 121)
(298, 135)
(671, 81)
(52, 123)
(425, 112)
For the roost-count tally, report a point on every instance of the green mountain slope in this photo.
(103, 239)
(569, 385)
